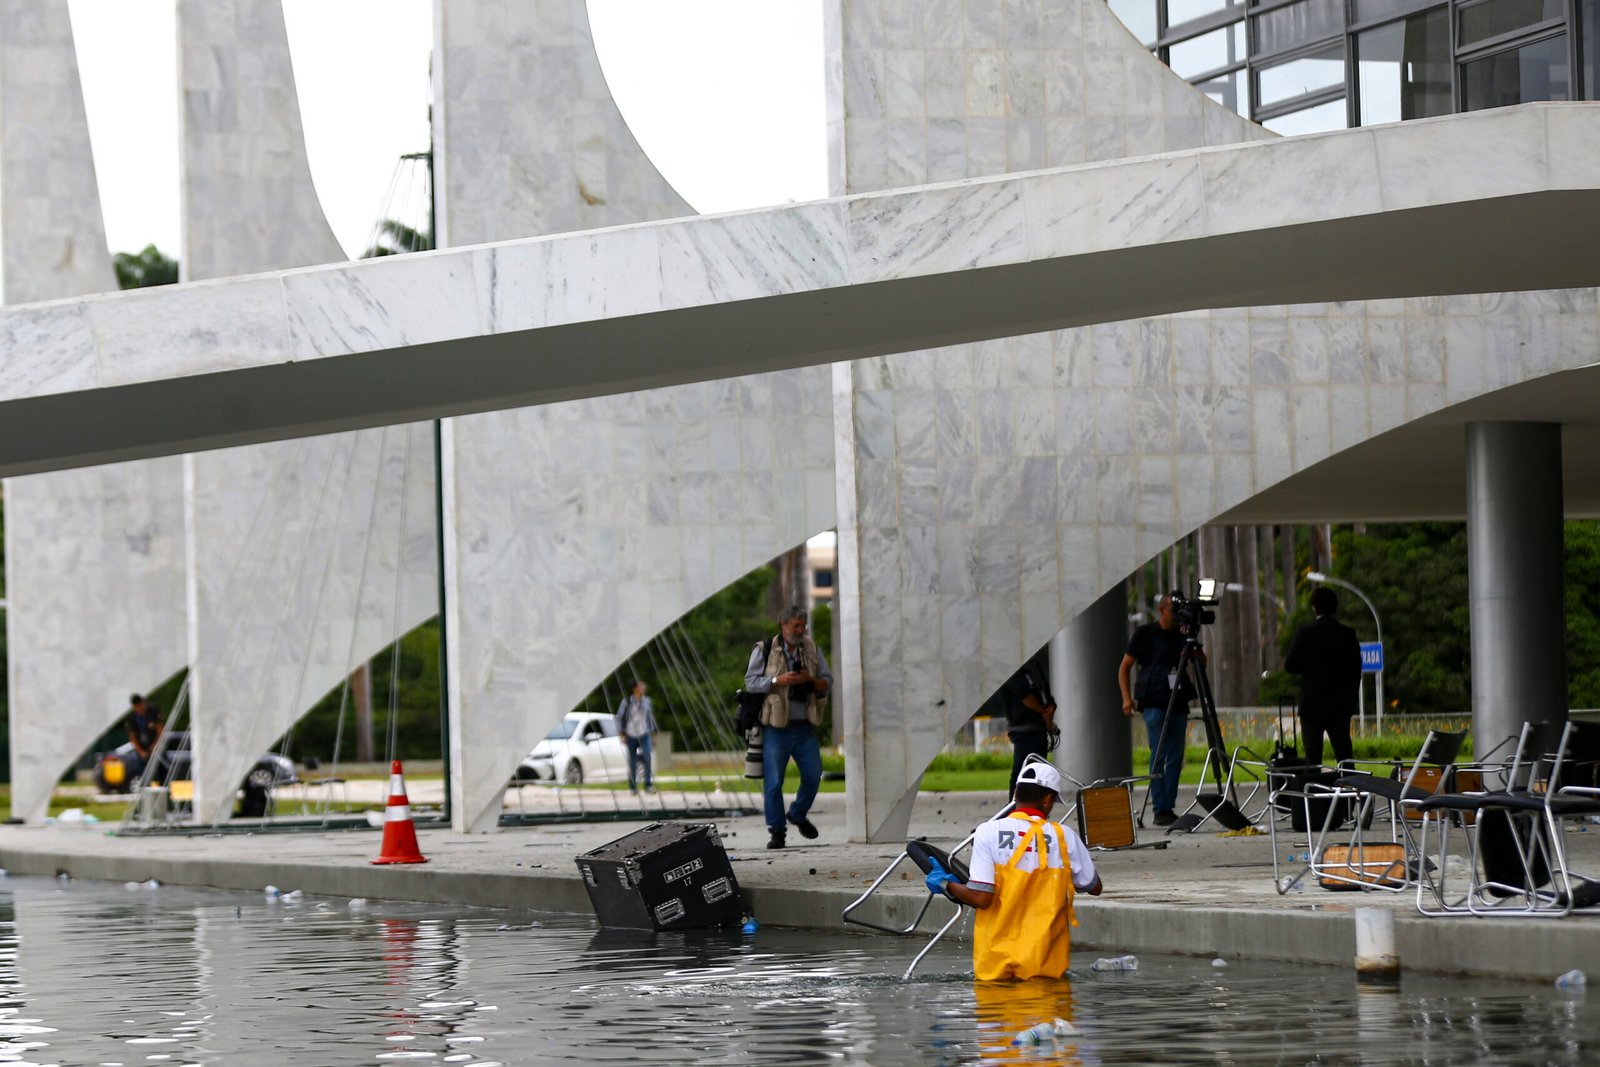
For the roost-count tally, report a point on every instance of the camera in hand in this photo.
(802, 690)
(1197, 611)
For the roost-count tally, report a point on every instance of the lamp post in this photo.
(1318, 576)
(1266, 598)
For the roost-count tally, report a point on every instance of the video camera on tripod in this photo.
(1193, 613)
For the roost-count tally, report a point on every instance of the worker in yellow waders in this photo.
(1024, 905)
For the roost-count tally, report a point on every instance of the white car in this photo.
(583, 747)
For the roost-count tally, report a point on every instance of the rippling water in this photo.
(101, 974)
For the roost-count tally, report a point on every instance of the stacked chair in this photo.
(1517, 861)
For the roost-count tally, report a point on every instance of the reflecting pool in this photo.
(92, 973)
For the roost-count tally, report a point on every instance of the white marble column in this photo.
(306, 557)
(979, 467)
(576, 532)
(93, 557)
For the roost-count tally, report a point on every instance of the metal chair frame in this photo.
(1362, 792)
(1534, 804)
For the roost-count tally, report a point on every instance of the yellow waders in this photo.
(1025, 932)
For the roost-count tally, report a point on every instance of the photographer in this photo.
(795, 676)
(1155, 648)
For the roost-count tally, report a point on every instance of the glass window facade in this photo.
(1316, 119)
(1322, 69)
(1296, 24)
(1403, 69)
(1537, 71)
(1488, 19)
(1298, 66)
(1221, 47)
(1181, 11)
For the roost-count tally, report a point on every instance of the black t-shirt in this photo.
(1021, 684)
(146, 727)
(1157, 652)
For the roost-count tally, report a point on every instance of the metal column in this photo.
(1515, 563)
(1096, 740)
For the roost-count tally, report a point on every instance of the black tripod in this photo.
(1192, 666)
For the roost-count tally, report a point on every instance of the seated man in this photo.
(1024, 905)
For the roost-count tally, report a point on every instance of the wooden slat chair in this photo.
(1354, 861)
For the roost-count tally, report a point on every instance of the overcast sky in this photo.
(725, 95)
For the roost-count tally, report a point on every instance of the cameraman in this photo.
(1155, 648)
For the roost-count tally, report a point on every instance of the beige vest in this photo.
(775, 712)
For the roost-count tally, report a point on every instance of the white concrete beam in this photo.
(548, 319)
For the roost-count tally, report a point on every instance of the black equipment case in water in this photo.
(665, 876)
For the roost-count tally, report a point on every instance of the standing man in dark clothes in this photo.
(1327, 657)
(1030, 714)
(1155, 648)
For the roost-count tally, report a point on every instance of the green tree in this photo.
(1583, 614)
(1416, 575)
(149, 267)
(405, 690)
(694, 670)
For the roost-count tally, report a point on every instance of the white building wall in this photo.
(576, 532)
(94, 557)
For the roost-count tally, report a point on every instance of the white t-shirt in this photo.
(997, 839)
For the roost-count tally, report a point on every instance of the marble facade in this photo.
(305, 557)
(985, 492)
(94, 557)
(1004, 487)
(575, 532)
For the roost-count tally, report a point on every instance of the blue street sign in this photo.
(1371, 657)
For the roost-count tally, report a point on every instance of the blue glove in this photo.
(938, 879)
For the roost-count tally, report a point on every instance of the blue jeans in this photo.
(1164, 790)
(778, 744)
(639, 748)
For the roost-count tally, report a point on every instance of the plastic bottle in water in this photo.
(1043, 1033)
(1116, 963)
(1573, 981)
(1037, 1034)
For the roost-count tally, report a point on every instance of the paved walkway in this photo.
(1204, 894)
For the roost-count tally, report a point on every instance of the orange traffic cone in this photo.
(399, 832)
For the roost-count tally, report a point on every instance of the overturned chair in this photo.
(920, 853)
(1324, 801)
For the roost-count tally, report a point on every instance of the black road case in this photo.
(665, 876)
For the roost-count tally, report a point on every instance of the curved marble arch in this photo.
(924, 92)
(299, 352)
(102, 552)
(577, 531)
(77, 643)
(1064, 82)
(305, 558)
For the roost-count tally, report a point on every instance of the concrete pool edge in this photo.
(1187, 924)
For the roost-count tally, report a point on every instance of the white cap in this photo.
(1038, 772)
